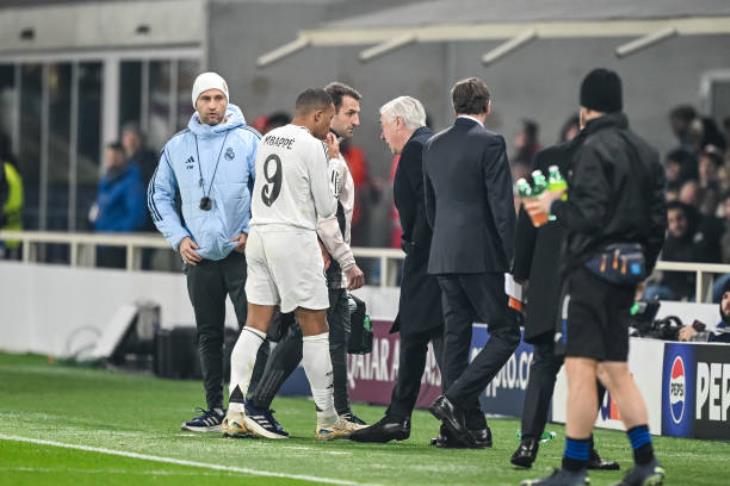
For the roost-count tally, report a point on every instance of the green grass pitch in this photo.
(136, 418)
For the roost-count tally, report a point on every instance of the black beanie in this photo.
(601, 91)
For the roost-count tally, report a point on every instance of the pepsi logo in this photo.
(677, 388)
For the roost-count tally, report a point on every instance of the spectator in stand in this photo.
(11, 199)
(679, 246)
(709, 229)
(680, 167)
(710, 163)
(704, 132)
(137, 153)
(680, 119)
(526, 145)
(367, 191)
(725, 241)
(570, 130)
(120, 204)
(265, 123)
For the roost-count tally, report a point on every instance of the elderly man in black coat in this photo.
(537, 261)
(470, 206)
(419, 317)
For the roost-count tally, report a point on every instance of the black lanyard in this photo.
(205, 202)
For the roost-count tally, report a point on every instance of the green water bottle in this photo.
(523, 188)
(556, 182)
(539, 183)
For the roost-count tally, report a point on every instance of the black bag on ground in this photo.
(361, 328)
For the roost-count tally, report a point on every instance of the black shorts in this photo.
(597, 324)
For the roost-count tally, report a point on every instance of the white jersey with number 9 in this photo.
(292, 186)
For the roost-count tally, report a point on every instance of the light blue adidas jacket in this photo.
(179, 171)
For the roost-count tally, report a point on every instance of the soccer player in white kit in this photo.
(292, 205)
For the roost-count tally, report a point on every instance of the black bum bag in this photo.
(620, 264)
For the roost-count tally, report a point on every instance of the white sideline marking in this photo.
(181, 462)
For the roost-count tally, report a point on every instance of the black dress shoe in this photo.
(452, 418)
(595, 462)
(383, 431)
(526, 453)
(481, 439)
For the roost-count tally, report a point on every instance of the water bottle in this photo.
(539, 185)
(556, 182)
(523, 188)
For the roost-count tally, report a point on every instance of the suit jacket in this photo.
(469, 202)
(419, 308)
(537, 252)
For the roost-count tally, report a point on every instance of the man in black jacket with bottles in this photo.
(615, 200)
(537, 257)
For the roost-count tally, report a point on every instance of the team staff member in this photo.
(288, 352)
(210, 165)
(537, 252)
(615, 198)
(470, 206)
(420, 319)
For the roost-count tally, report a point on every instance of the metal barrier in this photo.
(86, 243)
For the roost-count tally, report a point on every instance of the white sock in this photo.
(318, 368)
(243, 359)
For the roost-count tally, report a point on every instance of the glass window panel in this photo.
(159, 104)
(59, 134)
(8, 95)
(89, 139)
(130, 92)
(187, 71)
(29, 156)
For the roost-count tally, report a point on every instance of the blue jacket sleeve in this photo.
(161, 202)
(134, 202)
(251, 180)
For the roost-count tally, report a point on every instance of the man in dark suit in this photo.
(537, 261)
(470, 206)
(419, 317)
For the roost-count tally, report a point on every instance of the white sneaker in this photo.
(341, 429)
(234, 425)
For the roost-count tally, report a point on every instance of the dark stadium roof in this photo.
(501, 11)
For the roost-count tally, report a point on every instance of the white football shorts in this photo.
(285, 268)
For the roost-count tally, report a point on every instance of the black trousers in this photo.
(470, 298)
(287, 354)
(412, 362)
(209, 282)
(540, 386)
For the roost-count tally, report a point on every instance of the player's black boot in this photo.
(560, 477)
(651, 474)
(595, 462)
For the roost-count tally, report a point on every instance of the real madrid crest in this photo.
(230, 154)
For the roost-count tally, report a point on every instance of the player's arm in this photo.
(328, 228)
(325, 204)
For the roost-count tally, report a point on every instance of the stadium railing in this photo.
(82, 249)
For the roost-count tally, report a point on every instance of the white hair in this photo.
(408, 108)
